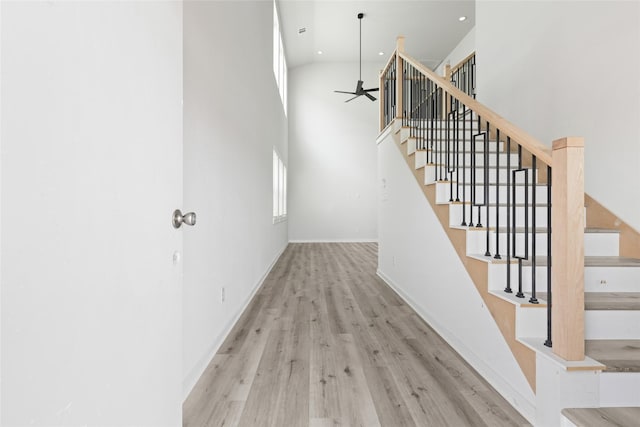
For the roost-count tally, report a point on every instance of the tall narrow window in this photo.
(279, 60)
(279, 188)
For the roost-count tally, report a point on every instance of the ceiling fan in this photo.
(359, 90)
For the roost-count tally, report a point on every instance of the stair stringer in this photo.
(503, 312)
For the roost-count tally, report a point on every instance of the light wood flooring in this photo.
(326, 343)
(603, 417)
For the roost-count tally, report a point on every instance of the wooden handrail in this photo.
(389, 62)
(528, 142)
(461, 63)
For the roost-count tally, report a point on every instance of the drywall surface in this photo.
(332, 153)
(465, 48)
(417, 259)
(567, 68)
(233, 117)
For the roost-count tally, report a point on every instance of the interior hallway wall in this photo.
(233, 117)
(570, 68)
(332, 153)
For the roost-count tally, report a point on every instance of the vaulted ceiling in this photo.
(431, 28)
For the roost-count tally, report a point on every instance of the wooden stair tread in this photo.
(595, 261)
(503, 229)
(603, 417)
(612, 300)
(608, 300)
(617, 355)
(596, 230)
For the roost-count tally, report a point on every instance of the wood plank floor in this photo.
(603, 417)
(326, 343)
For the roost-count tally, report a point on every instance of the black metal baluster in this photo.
(520, 294)
(450, 142)
(479, 222)
(508, 288)
(457, 157)
(486, 189)
(548, 342)
(533, 299)
(464, 164)
(412, 105)
(472, 177)
(446, 144)
(497, 227)
(473, 76)
(433, 142)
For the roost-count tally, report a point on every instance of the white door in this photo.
(91, 170)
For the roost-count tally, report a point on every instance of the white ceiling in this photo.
(431, 29)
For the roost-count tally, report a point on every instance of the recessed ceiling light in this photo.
(319, 52)
(381, 53)
(462, 18)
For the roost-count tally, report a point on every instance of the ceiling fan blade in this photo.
(373, 98)
(359, 86)
(341, 91)
(375, 89)
(351, 99)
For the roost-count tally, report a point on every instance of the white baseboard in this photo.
(190, 380)
(334, 241)
(526, 408)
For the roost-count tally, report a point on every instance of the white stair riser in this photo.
(607, 240)
(477, 243)
(444, 125)
(443, 190)
(498, 278)
(531, 322)
(612, 324)
(455, 216)
(619, 389)
(465, 177)
(616, 279)
(467, 124)
(420, 159)
(464, 159)
(442, 146)
(611, 279)
(411, 146)
(602, 244)
(404, 134)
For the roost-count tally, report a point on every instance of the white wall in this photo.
(564, 68)
(332, 153)
(233, 118)
(417, 259)
(465, 48)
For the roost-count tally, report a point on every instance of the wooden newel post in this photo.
(399, 76)
(567, 248)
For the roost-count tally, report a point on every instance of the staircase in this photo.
(612, 282)
(490, 187)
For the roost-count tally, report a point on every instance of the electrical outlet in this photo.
(603, 282)
(222, 296)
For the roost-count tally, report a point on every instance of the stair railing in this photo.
(500, 176)
(463, 75)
